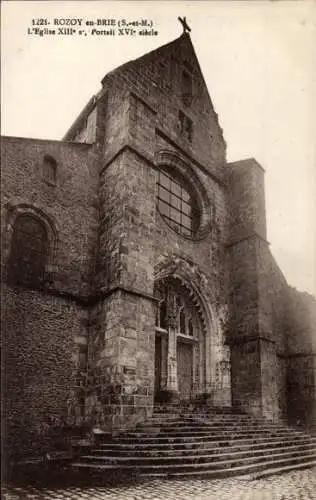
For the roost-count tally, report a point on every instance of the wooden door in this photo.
(185, 369)
(158, 355)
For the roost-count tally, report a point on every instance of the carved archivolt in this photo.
(194, 282)
(195, 285)
(179, 307)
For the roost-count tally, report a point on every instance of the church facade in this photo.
(136, 267)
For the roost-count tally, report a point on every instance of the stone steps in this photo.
(202, 445)
(178, 438)
(207, 420)
(193, 416)
(199, 423)
(220, 458)
(277, 470)
(256, 470)
(220, 443)
(194, 408)
(201, 431)
(247, 450)
(215, 469)
(204, 425)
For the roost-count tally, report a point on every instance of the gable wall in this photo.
(142, 117)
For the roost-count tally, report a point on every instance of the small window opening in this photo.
(83, 357)
(186, 86)
(49, 169)
(188, 66)
(186, 126)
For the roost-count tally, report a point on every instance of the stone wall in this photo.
(207, 260)
(247, 200)
(301, 348)
(84, 128)
(119, 391)
(288, 319)
(156, 78)
(70, 206)
(90, 329)
(87, 132)
(257, 299)
(40, 366)
(263, 307)
(45, 324)
(123, 326)
(141, 120)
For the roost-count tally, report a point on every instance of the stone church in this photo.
(136, 268)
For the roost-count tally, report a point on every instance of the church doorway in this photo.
(179, 342)
(185, 369)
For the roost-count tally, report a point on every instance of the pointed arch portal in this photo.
(180, 351)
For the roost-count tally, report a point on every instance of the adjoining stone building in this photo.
(135, 266)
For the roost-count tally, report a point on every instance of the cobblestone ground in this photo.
(298, 485)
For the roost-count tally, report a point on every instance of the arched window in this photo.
(177, 204)
(29, 250)
(49, 169)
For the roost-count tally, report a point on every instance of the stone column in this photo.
(164, 361)
(172, 375)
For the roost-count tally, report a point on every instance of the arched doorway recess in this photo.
(180, 340)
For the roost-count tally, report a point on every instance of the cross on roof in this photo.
(185, 26)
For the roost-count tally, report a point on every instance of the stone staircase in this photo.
(210, 442)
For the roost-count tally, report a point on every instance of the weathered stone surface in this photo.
(81, 346)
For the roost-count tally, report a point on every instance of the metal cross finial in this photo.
(185, 26)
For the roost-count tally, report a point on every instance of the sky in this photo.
(259, 62)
